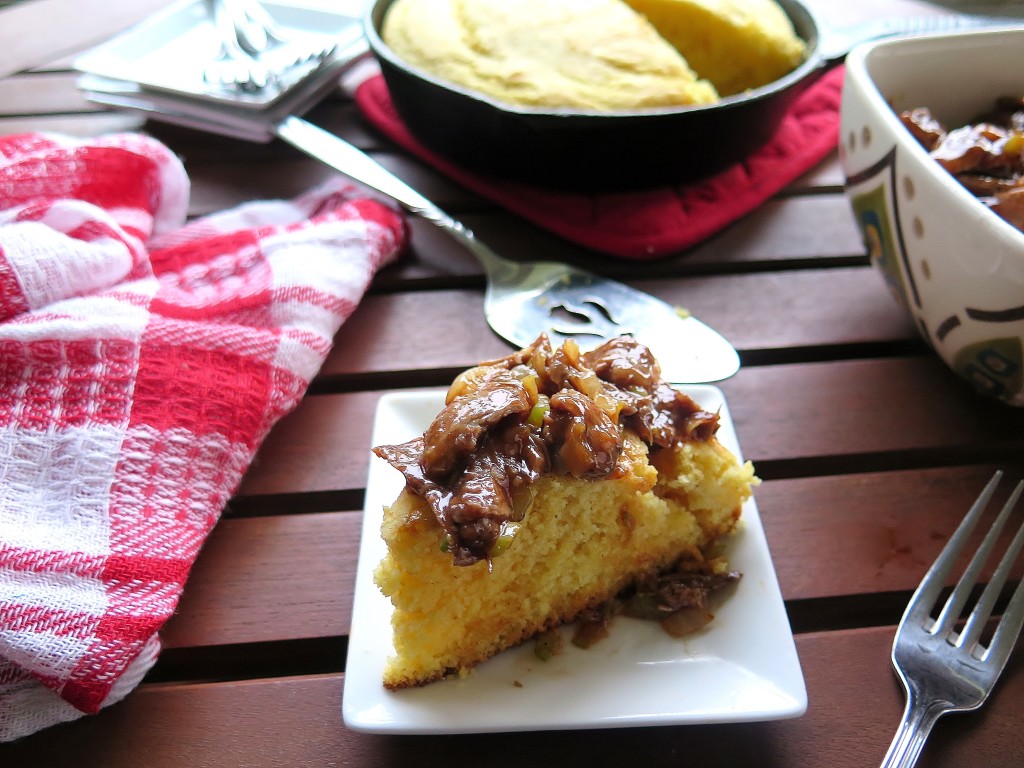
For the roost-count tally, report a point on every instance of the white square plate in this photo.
(169, 51)
(743, 667)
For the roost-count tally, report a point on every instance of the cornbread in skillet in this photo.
(551, 481)
(585, 54)
(736, 44)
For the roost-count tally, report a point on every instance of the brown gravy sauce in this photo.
(507, 422)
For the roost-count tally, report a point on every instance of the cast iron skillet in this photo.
(588, 150)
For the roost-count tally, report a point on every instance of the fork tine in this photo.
(976, 621)
(1013, 617)
(958, 598)
(1006, 634)
(934, 580)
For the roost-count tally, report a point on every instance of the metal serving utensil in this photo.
(525, 299)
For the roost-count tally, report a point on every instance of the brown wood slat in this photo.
(260, 172)
(758, 311)
(769, 233)
(36, 33)
(827, 174)
(270, 578)
(42, 94)
(786, 310)
(864, 406)
(854, 706)
(840, 14)
(867, 533)
(324, 445)
(83, 125)
(775, 232)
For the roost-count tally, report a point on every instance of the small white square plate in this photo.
(744, 667)
(169, 51)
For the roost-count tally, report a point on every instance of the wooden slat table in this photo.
(870, 451)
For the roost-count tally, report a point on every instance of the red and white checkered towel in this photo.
(142, 362)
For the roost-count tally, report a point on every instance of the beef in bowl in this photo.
(986, 155)
(956, 265)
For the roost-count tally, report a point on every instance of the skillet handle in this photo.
(836, 43)
(353, 162)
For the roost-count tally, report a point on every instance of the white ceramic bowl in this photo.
(956, 266)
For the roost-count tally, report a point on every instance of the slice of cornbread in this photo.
(574, 541)
(584, 54)
(736, 44)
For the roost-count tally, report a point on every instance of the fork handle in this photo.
(353, 162)
(912, 733)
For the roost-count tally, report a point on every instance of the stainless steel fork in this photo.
(255, 52)
(257, 31)
(945, 669)
(234, 67)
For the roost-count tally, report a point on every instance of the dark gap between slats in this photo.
(880, 609)
(755, 358)
(377, 380)
(384, 284)
(275, 504)
(84, 113)
(846, 612)
(627, 271)
(685, 269)
(749, 358)
(821, 190)
(997, 453)
(249, 661)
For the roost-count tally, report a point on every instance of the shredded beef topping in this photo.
(682, 589)
(539, 410)
(455, 433)
(986, 155)
(587, 440)
(680, 599)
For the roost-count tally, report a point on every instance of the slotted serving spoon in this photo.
(525, 299)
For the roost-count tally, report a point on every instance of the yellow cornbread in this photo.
(584, 54)
(580, 544)
(736, 44)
